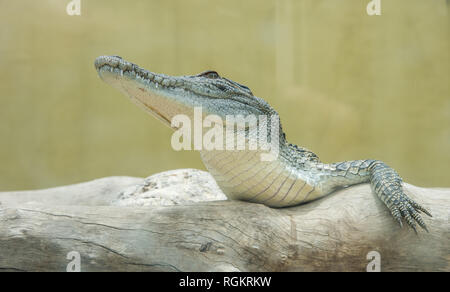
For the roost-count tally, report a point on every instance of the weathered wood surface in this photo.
(39, 228)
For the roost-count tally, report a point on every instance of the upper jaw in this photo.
(114, 69)
(115, 65)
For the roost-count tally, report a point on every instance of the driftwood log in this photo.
(346, 231)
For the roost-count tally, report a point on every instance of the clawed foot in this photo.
(387, 184)
(404, 207)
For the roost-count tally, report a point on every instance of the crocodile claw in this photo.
(405, 208)
(387, 184)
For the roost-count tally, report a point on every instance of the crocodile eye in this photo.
(209, 74)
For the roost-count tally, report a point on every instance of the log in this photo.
(349, 230)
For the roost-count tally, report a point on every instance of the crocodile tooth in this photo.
(124, 66)
(114, 62)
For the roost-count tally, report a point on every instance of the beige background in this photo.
(346, 85)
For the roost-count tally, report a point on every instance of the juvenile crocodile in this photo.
(296, 176)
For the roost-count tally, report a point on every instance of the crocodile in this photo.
(295, 176)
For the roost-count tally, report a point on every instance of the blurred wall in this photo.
(346, 85)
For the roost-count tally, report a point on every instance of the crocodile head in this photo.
(167, 96)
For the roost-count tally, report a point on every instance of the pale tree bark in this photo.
(38, 229)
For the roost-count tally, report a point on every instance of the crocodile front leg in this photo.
(385, 183)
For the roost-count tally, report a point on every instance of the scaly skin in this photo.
(296, 176)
